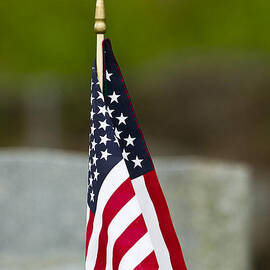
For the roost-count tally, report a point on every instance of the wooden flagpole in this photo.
(100, 29)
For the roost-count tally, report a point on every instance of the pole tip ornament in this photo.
(100, 18)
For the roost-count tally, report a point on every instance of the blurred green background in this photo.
(56, 36)
(198, 73)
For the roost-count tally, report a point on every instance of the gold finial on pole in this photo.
(100, 18)
(100, 29)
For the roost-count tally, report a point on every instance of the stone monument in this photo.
(43, 210)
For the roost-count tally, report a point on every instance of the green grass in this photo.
(56, 36)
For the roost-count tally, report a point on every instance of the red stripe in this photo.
(119, 198)
(165, 222)
(150, 263)
(89, 230)
(128, 238)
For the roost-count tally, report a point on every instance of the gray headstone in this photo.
(210, 206)
(43, 210)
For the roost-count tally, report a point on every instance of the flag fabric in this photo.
(128, 221)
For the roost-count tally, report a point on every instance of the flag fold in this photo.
(128, 220)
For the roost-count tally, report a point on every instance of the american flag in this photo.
(128, 221)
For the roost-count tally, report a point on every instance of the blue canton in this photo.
(104, 151)
(124, 120)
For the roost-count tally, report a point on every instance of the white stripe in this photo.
(87, 215)
(114, 179)
(118, 225)
(137, 253)
(152, 223)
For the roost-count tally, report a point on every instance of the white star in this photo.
(100, 96)
(114, 97)
(122, 119)
(117, 133)
(89, 165)
(130, 140)
(92, 196)
(104, 139)
(105, 154)
(95, 160)
(92, 114)
(103, 124)
(102, 110)
(93, 129)
(137, 162)
(116, 141)
(96, 174)
(110, 111)
(108, 75)
(94, 144)
(92, 98)
(125, 154)
(91, 181)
